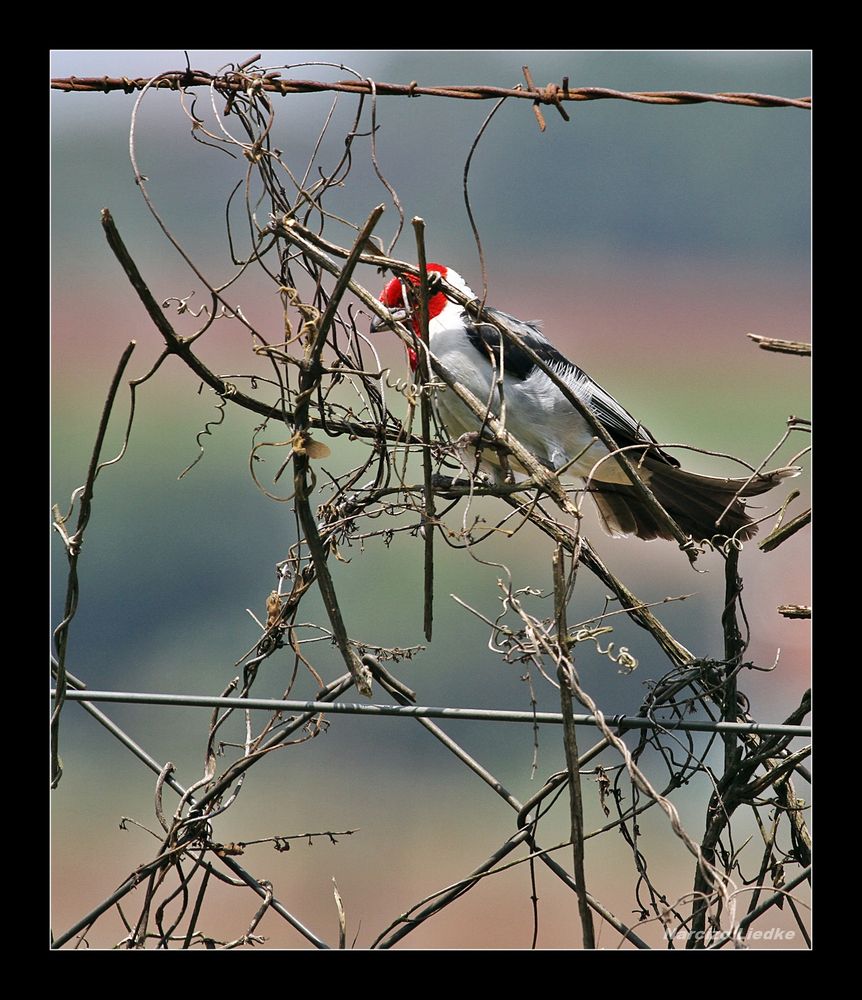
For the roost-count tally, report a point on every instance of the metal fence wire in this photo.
(320, 379)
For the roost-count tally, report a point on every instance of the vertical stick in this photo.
(73, 549)
(310, 375)
(570, 741)
(733, 649)
(425, 412)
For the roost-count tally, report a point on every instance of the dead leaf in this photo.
(304, 444)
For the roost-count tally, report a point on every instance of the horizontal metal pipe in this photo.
(618, 722)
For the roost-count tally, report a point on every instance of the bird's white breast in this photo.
(533, 409)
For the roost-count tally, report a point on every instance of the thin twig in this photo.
(73, 550)
(785, 531)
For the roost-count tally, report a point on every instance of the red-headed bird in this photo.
(538, 414)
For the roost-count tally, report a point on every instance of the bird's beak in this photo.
(395, 316)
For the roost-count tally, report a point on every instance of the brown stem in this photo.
(570, 742)
(425, 414)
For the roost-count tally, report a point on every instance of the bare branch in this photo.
(781, 346)
(565, 675)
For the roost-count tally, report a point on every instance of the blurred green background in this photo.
(649, 240)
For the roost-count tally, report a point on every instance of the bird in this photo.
(551, 428)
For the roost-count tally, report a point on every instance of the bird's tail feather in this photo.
(697, 503)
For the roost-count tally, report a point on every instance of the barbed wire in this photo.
(552, 94)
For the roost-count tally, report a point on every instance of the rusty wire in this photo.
(321, 381)
(553, 94)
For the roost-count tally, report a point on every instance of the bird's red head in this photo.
(398, 296)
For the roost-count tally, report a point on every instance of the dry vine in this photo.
(320, 380)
